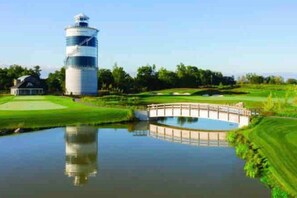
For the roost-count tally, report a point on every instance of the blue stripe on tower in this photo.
(82, 61)
(76, 40)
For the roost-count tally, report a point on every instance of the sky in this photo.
(230, 36)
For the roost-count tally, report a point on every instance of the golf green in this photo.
(30, 105)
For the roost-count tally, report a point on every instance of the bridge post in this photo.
(190, 109)
(218, 112)
(181, 110)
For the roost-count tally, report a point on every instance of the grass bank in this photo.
(73, 113)
(269, 147)
(277, 138)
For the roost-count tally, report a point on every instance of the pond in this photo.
(123, 160)
(198, 123)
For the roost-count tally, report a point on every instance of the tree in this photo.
(4, 81)
(292, 81)
(56, 81)
(147, 78)
(187, 75)
(274, 80)
(122, 80)
(36, 71)
(254, 78)
(105, 78)
(167, 79)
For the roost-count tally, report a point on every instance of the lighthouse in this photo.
(81, 57)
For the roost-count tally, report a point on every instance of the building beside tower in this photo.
(81, 57)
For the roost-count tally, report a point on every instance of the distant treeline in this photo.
(146, 79)
(252, 78)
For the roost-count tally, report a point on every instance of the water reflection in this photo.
(180, 135)
(198, 123)
(183, 120)
(130, 166)
(81, 142)
(188, 136)
(81, 153)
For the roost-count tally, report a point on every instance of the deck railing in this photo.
(202, 106)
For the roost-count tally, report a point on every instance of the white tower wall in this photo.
(81, 58)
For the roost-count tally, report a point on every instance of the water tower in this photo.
(81, 57)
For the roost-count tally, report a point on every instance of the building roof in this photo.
(22, 78)
(28, 82)
(81, 16)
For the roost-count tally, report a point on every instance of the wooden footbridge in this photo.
(234, 114)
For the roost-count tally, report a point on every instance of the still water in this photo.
(198, 123)
(118, 161)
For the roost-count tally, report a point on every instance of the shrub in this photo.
(278, 193)
(269, 105)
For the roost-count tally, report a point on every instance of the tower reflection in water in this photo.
(81, 153)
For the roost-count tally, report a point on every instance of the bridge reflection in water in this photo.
(188, 136)
(81, 153)
(81, 145)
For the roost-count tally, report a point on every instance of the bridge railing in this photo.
(187, 136)
(202, 106)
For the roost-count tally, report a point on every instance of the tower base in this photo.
(81, 81)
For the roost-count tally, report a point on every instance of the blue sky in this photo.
(231, 36)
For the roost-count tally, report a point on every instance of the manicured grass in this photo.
(181, 91)
(252, 95)
(29, 98)
(75, 113)
(277, 139)
(265, 90)
(4, 99)
(33, 103)
(250, 101)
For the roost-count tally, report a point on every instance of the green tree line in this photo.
(252, 78)
(147, 78)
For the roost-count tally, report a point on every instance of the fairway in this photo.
(30, 105)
